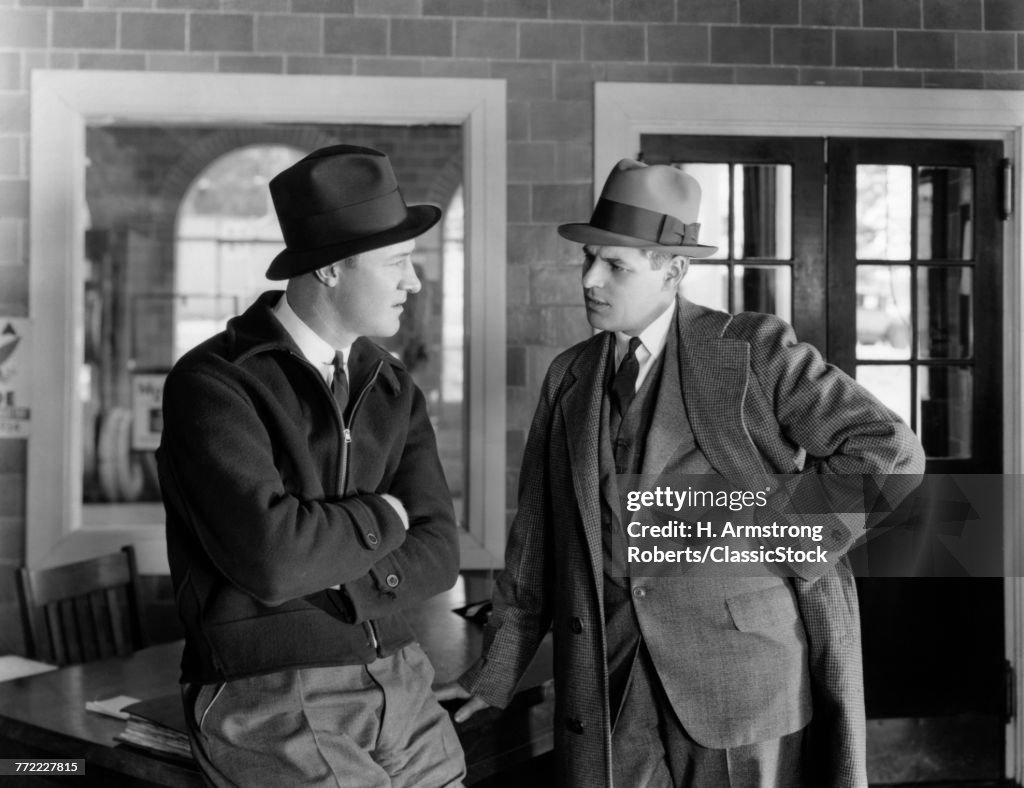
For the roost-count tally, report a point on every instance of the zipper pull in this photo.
(348, 435)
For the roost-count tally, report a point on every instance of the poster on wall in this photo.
(147, 411)
(15, 352)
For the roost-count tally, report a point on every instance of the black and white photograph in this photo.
(571, 393)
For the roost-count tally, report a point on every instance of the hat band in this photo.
(658, 228)
(304, 233)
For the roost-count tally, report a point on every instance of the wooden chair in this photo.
(82, 611)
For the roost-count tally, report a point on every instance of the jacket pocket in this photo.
(201, 698)
(764, 609)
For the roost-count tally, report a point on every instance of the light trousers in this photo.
(651, 749)
(349, 726)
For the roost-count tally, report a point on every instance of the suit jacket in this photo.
(741, 659)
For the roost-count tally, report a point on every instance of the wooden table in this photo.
(44, 716)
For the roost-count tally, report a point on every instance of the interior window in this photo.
(179, 242)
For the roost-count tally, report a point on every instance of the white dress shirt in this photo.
(313, 347)
(652, 343)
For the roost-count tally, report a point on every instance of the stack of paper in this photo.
(151, 736)
(158, 725)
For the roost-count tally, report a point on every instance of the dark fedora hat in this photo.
(337, 202)
(645, 207)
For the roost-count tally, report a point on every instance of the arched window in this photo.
(226, 236)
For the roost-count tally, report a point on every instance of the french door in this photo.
(886, 255)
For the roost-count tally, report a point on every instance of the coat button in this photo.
(574, 725)
(372, 539)
(639, 592)
(576, 625)
(392, 581)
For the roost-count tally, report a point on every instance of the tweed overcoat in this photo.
(758, 402)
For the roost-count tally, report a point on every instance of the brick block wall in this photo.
(550, 52)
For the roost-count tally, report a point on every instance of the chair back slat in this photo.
(76, 636)
(82, 611)
(52, 646)
(117, 633)
(90, 637)
(102, 617)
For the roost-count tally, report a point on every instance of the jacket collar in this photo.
(714, 376)
(257, 331)
(698, 323)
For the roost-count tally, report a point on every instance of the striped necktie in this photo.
(339, 383)
(624, 382)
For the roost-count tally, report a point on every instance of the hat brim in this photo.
(583, 233)
(289, 263)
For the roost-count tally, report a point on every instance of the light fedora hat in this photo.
(337, 202)
(646, 207)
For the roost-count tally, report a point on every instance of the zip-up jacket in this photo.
(283, 552)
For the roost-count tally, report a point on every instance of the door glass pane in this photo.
(891, 384)
(944, 213)
(883, 212)
(708, 285)
(714, 205)
(944, 312)
(762, 205)
(944, 410)
(764, 288)
(883, 311)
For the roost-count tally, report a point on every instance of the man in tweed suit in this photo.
(681, 681)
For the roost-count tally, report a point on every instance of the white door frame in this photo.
(624, 111)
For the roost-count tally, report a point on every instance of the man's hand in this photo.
(398, 507)
(452, 691)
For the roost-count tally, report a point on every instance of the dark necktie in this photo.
(339, 383)
(624, 382)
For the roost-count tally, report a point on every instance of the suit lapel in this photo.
(713, 373)
(581, 410)
(668, 434)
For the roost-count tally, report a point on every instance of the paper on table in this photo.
(111, 707)
(14, 667)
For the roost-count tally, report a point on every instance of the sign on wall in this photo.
(147, 411)
(15, 352)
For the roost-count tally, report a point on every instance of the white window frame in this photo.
(622, 112)
(65, 102)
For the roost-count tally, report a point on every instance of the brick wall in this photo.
(550, 52)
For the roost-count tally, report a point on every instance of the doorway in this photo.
(887, 255)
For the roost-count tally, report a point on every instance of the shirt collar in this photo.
(312, 345)
(653, 338)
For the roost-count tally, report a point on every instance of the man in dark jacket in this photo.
(307, 507)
